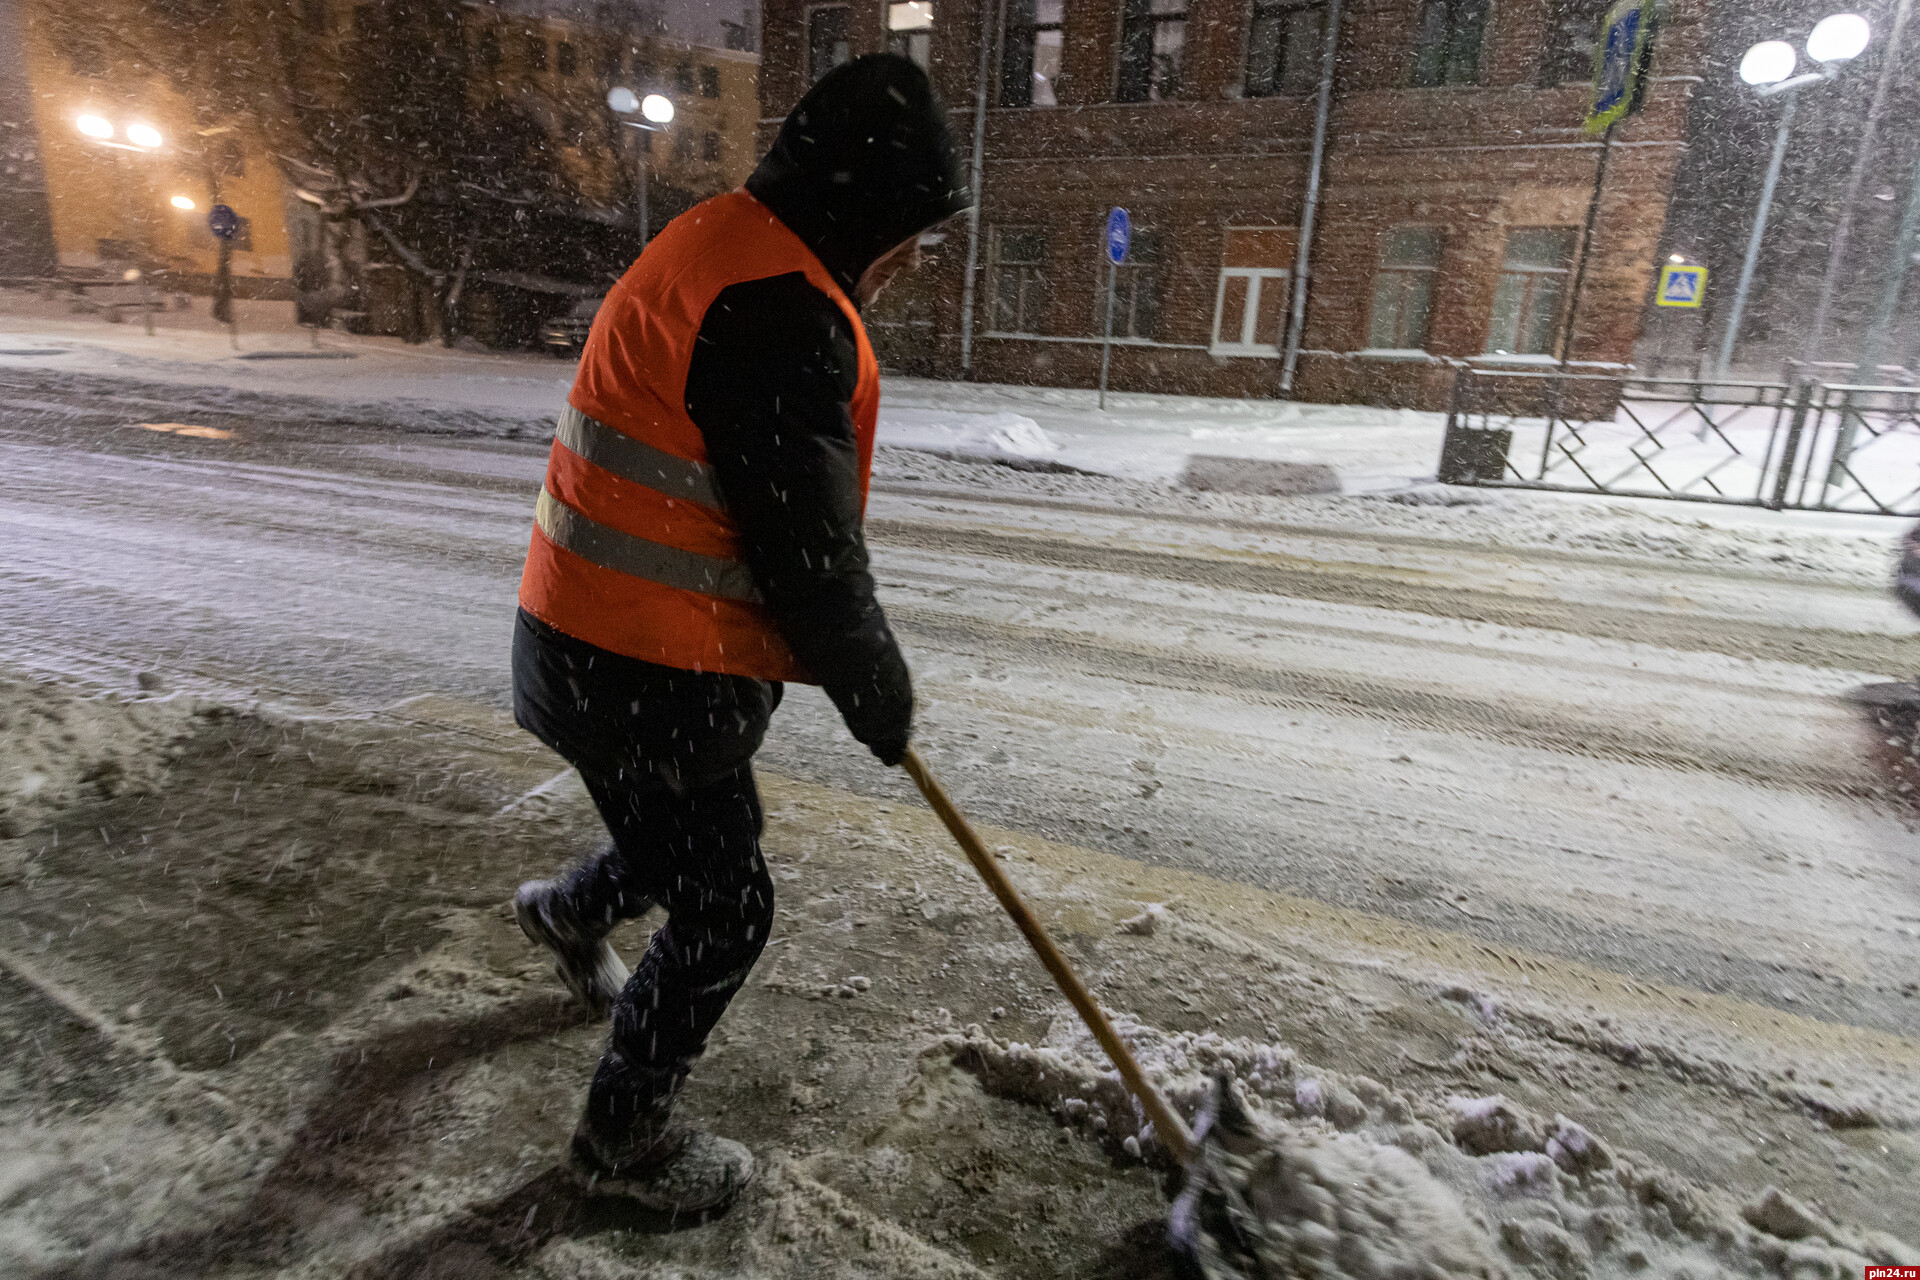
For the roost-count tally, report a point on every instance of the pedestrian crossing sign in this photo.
(1681, 285)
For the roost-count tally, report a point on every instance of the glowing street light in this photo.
(1768, 62)
(1769, 66)
(657, 109)
(94, 127)
(183, 203)
(141, 134)
(1839, 37)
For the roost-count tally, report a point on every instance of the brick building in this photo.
(1455, 179)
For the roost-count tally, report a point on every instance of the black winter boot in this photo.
(681, 1170)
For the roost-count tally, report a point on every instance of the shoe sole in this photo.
(582, 985)
(606, 1188)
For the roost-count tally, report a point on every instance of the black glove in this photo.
(879, 711)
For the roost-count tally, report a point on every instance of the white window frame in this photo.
(1257, 282)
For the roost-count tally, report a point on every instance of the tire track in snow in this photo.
(1542, 727)
(1383, 588)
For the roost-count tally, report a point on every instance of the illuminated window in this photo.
(910, 30)
(1030, 63)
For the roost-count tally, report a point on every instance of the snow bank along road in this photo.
(1622, 755)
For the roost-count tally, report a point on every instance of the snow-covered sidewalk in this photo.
(1139, 437)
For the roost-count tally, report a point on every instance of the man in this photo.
(697, 544)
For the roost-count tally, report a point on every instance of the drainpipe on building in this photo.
(1303, 260)
(991, 19)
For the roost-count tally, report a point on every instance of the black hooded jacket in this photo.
(865, 161)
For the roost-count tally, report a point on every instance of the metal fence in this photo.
(1811, 446)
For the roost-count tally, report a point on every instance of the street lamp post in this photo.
(1768, 67)
(657, 112)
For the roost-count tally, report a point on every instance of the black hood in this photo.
(863, 162)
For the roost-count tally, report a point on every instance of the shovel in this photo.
(1167, 1124)
(1213, 1231)
(1227, 1215)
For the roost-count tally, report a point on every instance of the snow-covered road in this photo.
(1596, 749)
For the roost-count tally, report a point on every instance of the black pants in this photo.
(666, 755)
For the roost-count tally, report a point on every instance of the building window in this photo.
(710, 146)
(1573, 26)
(828, 42)
(1533, 286)
(1249, 311)
(1151, 38)
(709, 82)
(490, 48)
(1019, 280)
(313, 15)
(1403, 289)
(536, 52)
(1447, 44)
(683, 79)
(1136, 291)
(1250, 307)
(683, 145)
(230, 158)
(1283, 46)
(910, 30)
(1030, 64)
(568, 61)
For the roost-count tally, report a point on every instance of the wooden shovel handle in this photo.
(1172, 1130)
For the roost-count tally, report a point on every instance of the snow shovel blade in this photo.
(1211, 1229)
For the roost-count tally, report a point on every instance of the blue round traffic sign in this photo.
(223, 221)
(1119, 235)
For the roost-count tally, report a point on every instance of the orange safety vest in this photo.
(633, 550)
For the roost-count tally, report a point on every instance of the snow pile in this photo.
(57, 748)
(1347, 1175)
(1306, 1203)
(988, 436)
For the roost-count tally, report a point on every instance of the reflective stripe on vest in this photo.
(632, 548)
(654, 561)
(636, 460)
